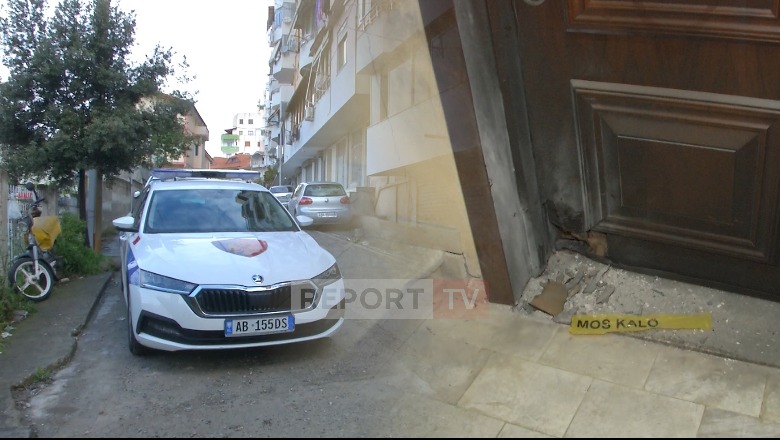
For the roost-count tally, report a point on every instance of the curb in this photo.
(77, 332)
(14, 427)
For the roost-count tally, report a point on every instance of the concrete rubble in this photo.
(743, 327)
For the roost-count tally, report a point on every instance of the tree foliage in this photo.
(270, 175)
(74, 102)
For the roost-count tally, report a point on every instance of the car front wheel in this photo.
(135, 347)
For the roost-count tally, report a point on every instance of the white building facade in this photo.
(365, 110)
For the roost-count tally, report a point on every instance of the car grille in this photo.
(169, 330)
(231, 301)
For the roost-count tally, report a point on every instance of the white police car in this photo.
(211, 260)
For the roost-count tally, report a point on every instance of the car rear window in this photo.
(281, 189)
(325, 190)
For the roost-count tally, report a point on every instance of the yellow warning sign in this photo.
(601, 324)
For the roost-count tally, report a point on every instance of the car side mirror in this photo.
(125, 224)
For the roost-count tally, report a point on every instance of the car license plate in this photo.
(327, 214)
(259, 326)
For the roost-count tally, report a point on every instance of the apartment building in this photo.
(283, 75)
(412, 99)
(249, 129)
(195, 155)
(246, 139)
(365, 110)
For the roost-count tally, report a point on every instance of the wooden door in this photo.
(655, 128)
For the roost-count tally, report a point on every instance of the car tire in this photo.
(135, 347)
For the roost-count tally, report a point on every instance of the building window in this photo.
(250, 132)
(259, 144)
(322, 76)
(424, 84)
(247, 143)
(251, 121)
(341, 162)
(196, 150)
(356, 161)
(342, 55)
(240, 122)
(399, 88)
(241, 133)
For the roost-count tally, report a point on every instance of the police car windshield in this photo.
(216, 210)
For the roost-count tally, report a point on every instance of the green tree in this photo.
(73, 101)
(270, 175)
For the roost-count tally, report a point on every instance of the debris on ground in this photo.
(20, 315)
(573, 284)
(552, 298)
(603, 295)
(738, 331)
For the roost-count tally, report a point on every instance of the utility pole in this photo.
(280, 153)
(103, 56)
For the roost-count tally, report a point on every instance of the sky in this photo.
(225, 45)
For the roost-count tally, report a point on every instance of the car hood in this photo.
(232, 259)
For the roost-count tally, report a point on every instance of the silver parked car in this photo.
(282, 193)
(323, 202)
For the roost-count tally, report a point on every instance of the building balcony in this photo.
(341, 109)
(414, 135)
(274, 134)
(283, 69)
(386, 26)
(276, 33)
(305, 59)
(273, 85)
(276, 102)
(200, 131)
(281, 96)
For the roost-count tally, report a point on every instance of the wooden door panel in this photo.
(657, 123)
(689, 169)
(739, 19)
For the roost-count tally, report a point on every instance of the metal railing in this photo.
(376, 10)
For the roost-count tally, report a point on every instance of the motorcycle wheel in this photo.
(22, 277)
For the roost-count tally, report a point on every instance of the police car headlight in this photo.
(153, 281)
(331, 275)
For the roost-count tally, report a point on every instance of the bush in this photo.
(77, 258)
(10, 303)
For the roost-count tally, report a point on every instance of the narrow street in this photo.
(345, 386)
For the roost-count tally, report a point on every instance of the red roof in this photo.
(238, 161)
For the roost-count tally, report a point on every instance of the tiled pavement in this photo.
(513, 375)
(510, 374)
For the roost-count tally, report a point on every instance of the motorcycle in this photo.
(34, 272)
